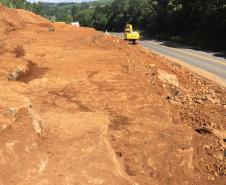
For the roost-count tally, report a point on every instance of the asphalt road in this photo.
(206, 61)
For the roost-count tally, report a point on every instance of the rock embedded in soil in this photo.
(168, 78)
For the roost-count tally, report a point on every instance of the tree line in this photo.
(197, 22)
(23, 4)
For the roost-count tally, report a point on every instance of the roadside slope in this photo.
(81, 107)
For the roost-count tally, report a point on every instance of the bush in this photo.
(68, 19)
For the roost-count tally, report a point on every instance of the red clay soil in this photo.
(79, 107)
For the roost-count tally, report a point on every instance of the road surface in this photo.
(203, 60)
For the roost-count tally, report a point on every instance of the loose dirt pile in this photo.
(79, 107)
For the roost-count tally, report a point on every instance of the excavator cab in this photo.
(128, 28)
(131, 35)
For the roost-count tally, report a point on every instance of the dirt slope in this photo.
(79, 107)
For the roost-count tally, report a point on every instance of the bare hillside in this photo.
(78, 107)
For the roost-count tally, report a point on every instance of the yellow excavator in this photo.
(131, 35)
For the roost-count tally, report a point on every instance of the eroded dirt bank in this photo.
(78, 107)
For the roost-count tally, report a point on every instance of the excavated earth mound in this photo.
(80, 107)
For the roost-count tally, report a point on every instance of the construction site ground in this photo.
(80, 107)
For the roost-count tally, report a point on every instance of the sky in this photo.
(58, 1)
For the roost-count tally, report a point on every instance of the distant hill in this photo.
(59, 11)
(70, 3)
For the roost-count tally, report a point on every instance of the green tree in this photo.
(37, 8)
(100, 18)
(85, 17)
(74, 12)
(68, 19)
(84, 6)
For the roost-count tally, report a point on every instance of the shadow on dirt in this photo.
(35, 73)
(71, 98)
(117, 121)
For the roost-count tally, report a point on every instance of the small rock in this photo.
(199, 101)
(37, 123)
(12, 111)
(212, 92)
(37, 126)
(152, 65)
(119, 153)
(219, 157)
(51, 29)
(20, 71)
(207, 146)
(222, 143)
(15, 74)
(168, 78)
(211, 178)
(212, 100)
(208, 167)
(224, 106)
